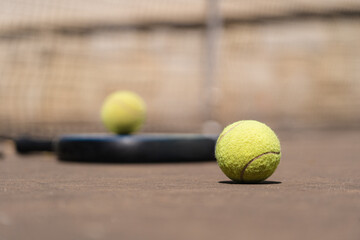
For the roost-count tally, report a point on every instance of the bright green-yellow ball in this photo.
(123, 112)
(248, 151)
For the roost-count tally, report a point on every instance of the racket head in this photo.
(149, 148)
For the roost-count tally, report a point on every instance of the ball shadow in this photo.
(260, 183)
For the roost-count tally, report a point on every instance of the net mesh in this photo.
(292, 64)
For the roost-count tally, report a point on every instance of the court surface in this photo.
(314, 194)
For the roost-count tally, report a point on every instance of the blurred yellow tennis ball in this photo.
(248, 151)
(123, 112)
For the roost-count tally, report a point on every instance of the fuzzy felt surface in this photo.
(123, 112)
(248, 151)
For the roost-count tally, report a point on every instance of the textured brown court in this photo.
(314, 194)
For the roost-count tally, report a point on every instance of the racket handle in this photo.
(26, 145)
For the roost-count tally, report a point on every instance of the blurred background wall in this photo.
(292, 64)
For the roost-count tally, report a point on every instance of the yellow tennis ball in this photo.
(123, 112)
(248, 151)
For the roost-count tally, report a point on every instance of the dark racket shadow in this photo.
(132, 162)
(260, 183)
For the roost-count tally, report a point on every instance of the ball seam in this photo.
(243, 171)
(128, 108)
(221, 136)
